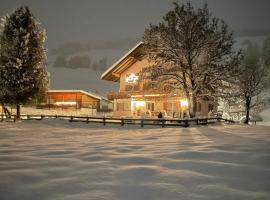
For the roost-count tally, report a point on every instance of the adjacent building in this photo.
(76, 99)
(142, 98)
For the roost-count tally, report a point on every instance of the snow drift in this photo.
(57, 160)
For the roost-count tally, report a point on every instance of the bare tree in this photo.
(193, 51)
(253, 78)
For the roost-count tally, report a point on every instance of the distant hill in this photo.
(79, 76)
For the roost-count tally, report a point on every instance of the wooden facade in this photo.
(74, 99)
(141, 98)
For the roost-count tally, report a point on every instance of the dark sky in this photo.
(120, 23)
(106, 20)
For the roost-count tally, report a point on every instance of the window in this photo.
(171, 106)
(132, 87)
(199, 107)
(122, 106)
(210, 107)
(128, 87)
(150, 106)
(136, 87)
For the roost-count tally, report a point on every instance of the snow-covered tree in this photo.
(253, 78)
(22, 73)
(266, 55)
(266, 52)
(193, 51)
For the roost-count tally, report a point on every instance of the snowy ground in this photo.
(266, 117)
(57, 160)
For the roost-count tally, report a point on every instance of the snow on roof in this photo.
(120, 60)
(82, 91)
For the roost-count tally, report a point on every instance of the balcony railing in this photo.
(117, 95)
(128, 94)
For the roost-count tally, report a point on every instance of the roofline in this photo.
(81, 91)
(121, 59)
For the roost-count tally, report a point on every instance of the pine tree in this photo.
(23, 77)
(193, 51)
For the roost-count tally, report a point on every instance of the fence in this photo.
(122, 121)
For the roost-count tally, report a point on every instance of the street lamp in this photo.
(184, 104)
(184, 107)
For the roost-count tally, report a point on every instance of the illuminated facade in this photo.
(142, 98)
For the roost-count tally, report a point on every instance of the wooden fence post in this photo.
(104, 121)
(163, 123)
(186, 123)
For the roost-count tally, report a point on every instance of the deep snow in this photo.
(57, 160)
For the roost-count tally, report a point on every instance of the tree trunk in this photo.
(189, 105)
(5, 111)
(2, 114)
(248, 101)
(18, 107)
(192, 105)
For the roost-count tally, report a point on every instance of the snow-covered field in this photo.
(57, 160)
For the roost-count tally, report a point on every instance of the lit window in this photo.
(132, 78)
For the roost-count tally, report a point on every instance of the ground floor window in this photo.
(210, 107)
(122, 106)
(171, 107)
(150, 106)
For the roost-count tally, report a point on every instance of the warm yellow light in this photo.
(132, 78)
(138, 103)
(152, 95)
(147, 95)
(184, 103)
(65, 103)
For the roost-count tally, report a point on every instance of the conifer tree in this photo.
(23, 77)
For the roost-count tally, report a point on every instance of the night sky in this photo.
(103, 21)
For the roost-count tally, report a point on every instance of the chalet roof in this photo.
(81, 91)
(113, 73)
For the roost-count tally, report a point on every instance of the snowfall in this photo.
(58, 160)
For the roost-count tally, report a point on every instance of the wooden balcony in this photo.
(141, 93)
(118, 95)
